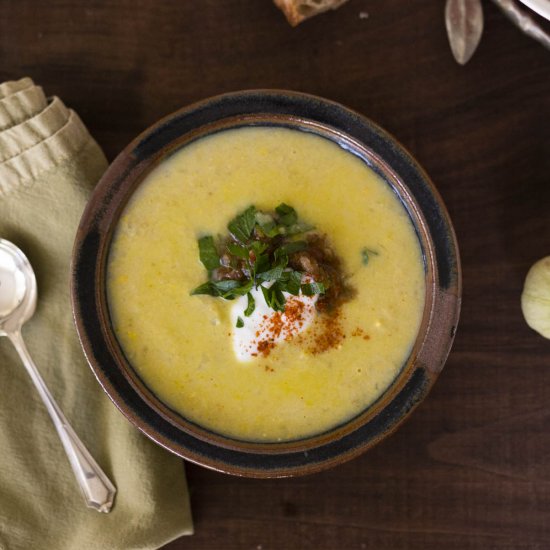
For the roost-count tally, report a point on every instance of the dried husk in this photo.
(464, 23)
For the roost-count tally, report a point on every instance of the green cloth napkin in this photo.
(48, 166)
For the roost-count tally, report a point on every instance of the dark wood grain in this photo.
(471, 469)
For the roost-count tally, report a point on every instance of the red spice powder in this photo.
(361, 333)
(280, 324)
(265, 347)
(328, 333)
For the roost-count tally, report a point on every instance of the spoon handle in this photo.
(96, 487)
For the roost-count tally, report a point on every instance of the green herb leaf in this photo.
(205, 288)
(289, 248)
(241, 227)
(258, 250)
(296, 229)
(261, 264)
(224, 286)
(229, 291)
(208, 253)
(287, 214)
(258, 247)
(272, 274)
(251, 305)
(274, 297)
(291, 282)
(240, 323)
(267, 224)
(311, 289)
(366, 253)
(237, 250)
(226, 289)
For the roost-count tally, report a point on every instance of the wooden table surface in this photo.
(471, 468)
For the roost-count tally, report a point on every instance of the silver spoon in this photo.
(17, 305)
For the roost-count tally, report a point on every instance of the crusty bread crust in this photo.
(298, 10)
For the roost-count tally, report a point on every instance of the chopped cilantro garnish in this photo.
(287, 214)
(237, 250)
(227, 289)
(274, 297)
(257, 255)
(273, 274)
(366, 253)
(290, 248)
(291, 282)
(208, 253)
(241, 227)
(251, 305)
(267, 224)
(310, 289)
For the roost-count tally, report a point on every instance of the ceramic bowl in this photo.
(349, 130)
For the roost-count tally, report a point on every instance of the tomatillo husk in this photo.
(535, 299)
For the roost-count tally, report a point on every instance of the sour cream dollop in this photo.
(265, 328)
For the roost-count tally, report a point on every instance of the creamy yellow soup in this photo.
(181, 345)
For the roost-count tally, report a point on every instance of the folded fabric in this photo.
(31, 132)
(48, 166)
(13, 86)
(19, 106)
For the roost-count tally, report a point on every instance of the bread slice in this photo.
(298, 10)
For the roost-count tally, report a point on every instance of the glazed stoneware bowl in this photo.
(362, 138)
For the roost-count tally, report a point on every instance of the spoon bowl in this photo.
(17, 288)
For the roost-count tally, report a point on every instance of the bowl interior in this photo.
(351, 132)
